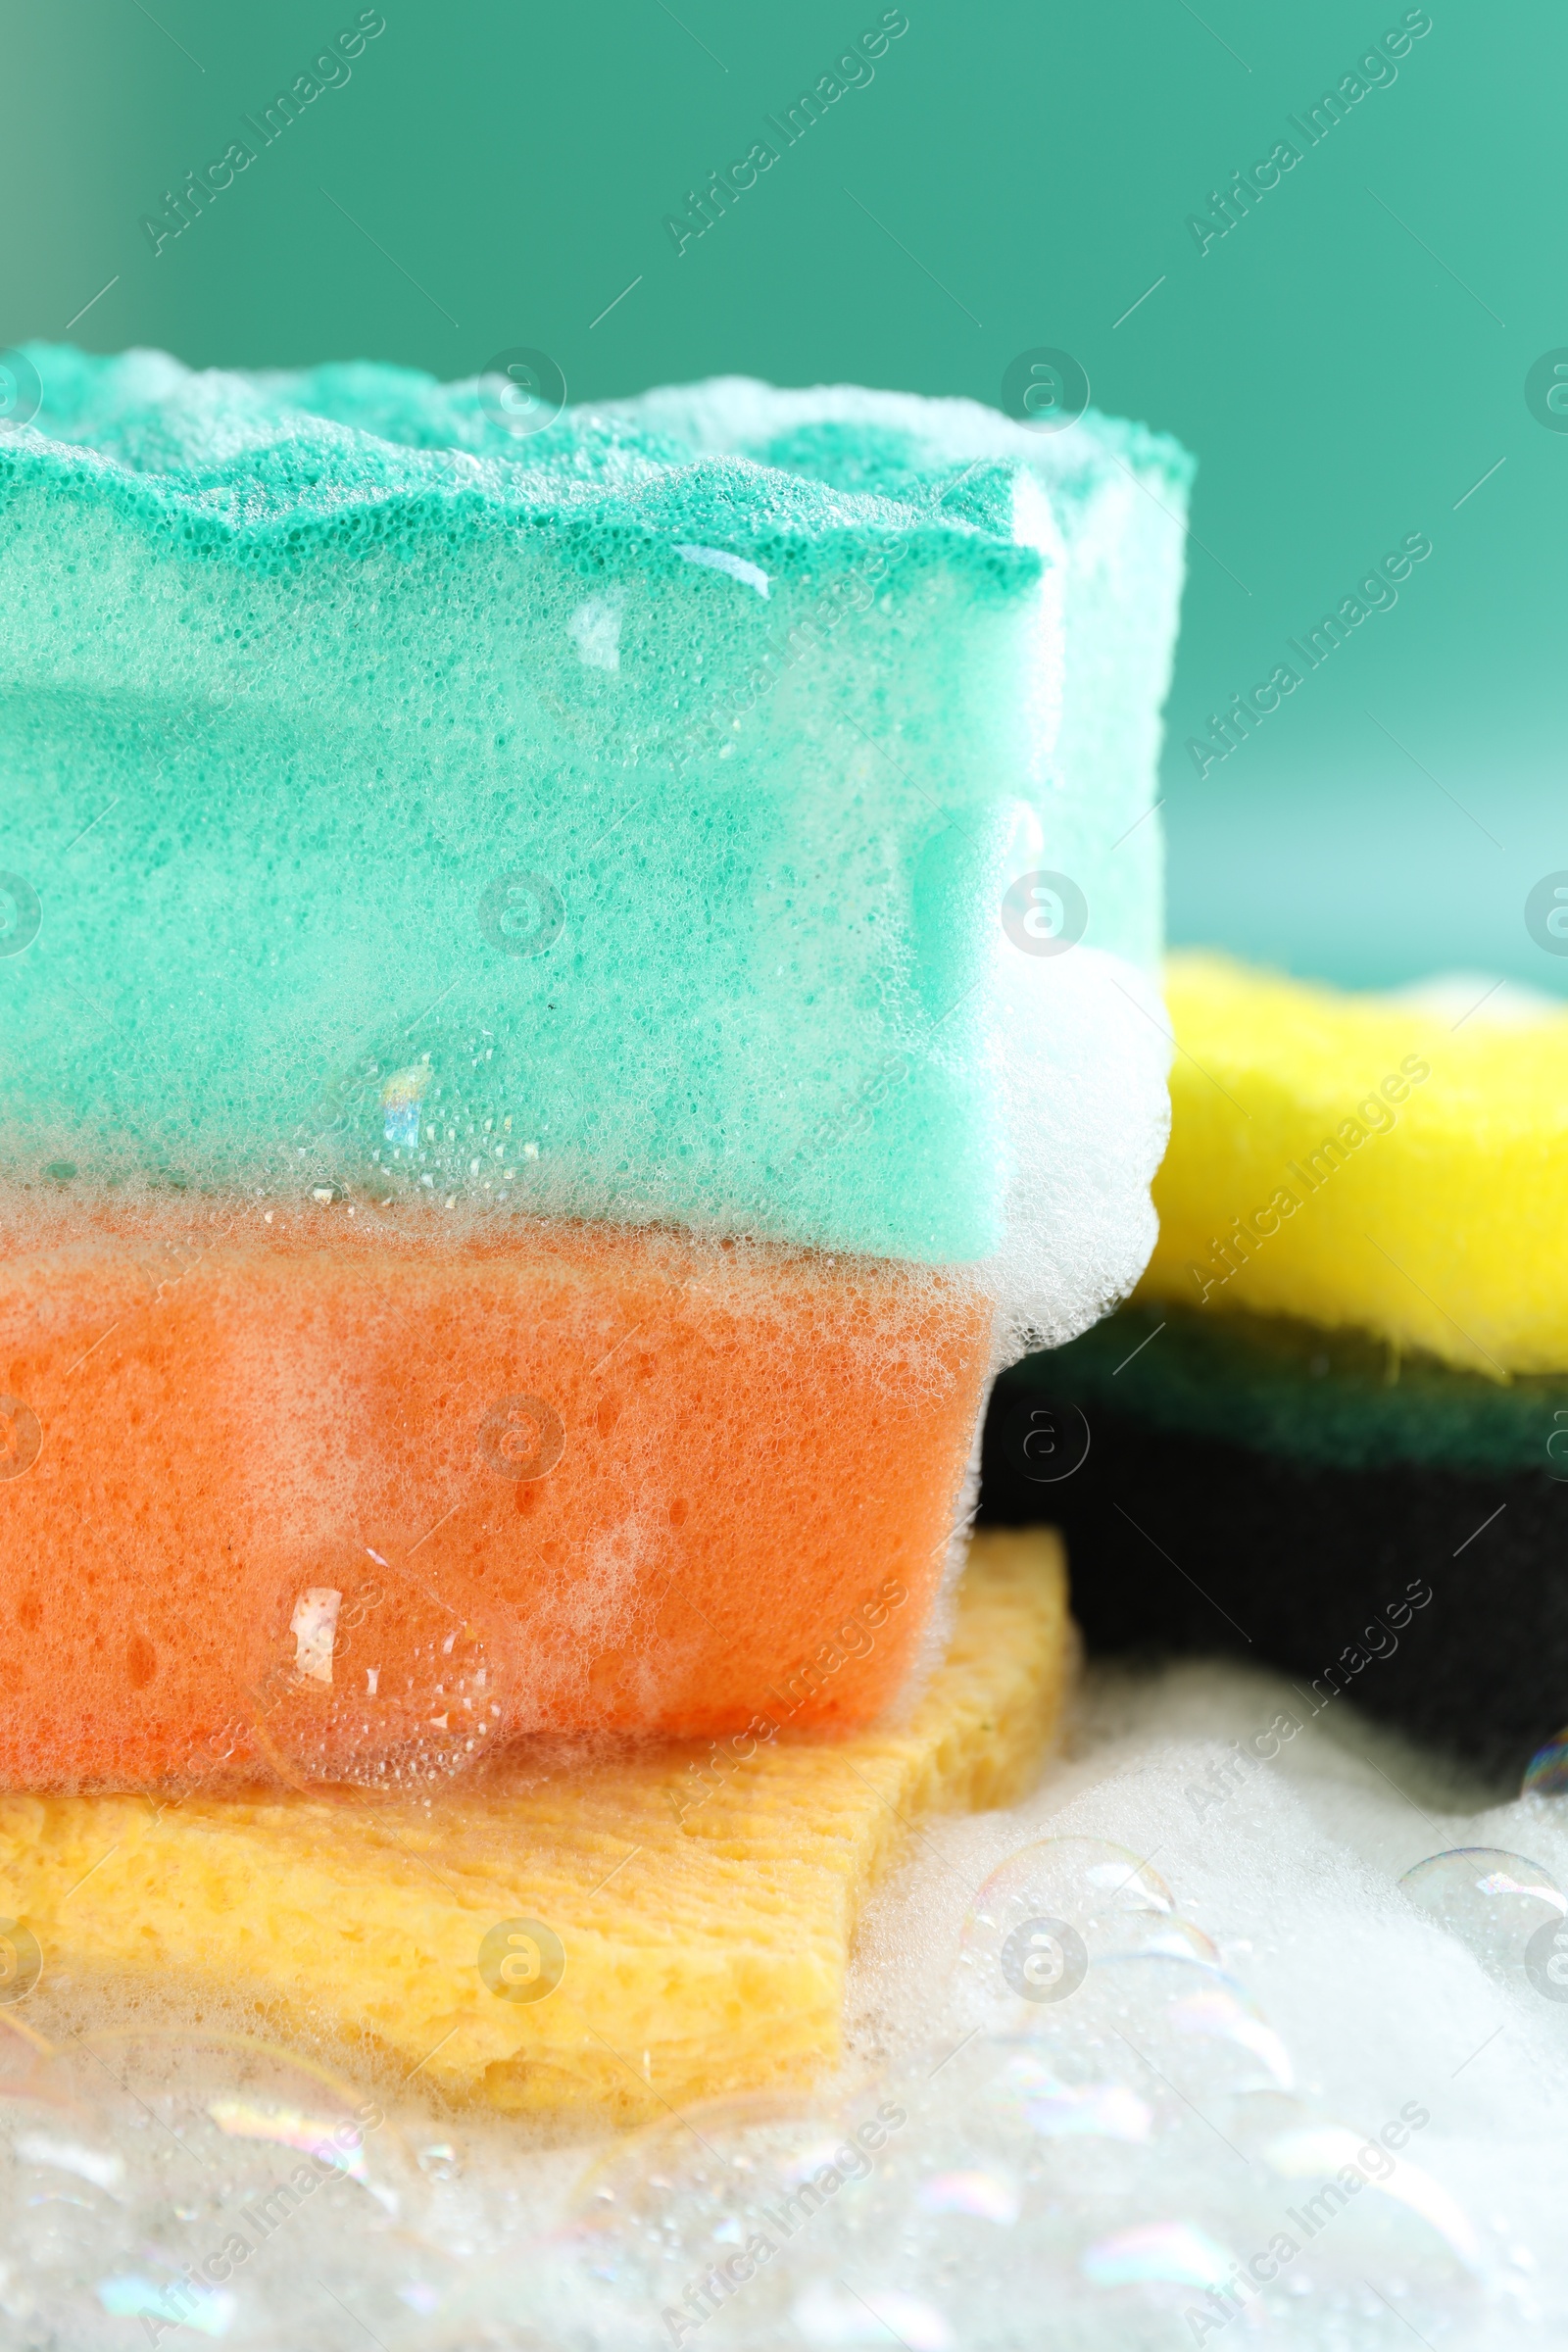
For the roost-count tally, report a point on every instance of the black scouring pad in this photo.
(1384, 1530)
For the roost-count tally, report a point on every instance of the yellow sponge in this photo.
(601, 1941)
(1352, 1159)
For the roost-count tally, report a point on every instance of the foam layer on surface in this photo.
(702, 1903)
(1304, 2087)
(583, 823)
(1344, 2033)
(352, 1491)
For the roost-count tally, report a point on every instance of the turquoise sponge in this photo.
(593, 821)
(1118, 495)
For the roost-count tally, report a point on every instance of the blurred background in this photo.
(1365, 353)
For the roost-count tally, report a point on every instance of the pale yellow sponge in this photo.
(1359, 1161)
(604, 1939)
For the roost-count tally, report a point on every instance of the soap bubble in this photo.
(61, 2194)
(20, 1438)
(1317, 2231)
(830, 2315)
(1494, 1902)
(1173, 2253)
(1147, 2037)
(1169, 2026)
(1021, 2132)
(989, 2196)
(375, 1683)
(1546, 1773)
(21, 1961)
(1354, 2225)
(1087, 2112)
(1028, 2091)
(230, 2103)
(1090, 1897)
(212, 2183)
(1311, 2149)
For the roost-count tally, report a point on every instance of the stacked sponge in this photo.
(444, 868)
(566, 1001)
(1332, 1430)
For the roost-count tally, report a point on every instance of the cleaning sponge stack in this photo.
(462, 863)
(568, 1001)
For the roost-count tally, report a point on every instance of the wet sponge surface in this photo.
(588, 822)
(1355, 1160)
(344, 1492)
(703, 1904)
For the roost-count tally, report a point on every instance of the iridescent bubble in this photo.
(1152, 2021)
(985, 2196)
(1223, 2013)
(233, 2189)
(1178, 1939)
(1071, 2097)
(1050, 2109)
(1350, 2218)
(1546, 1773)
(1329, 2152)
(305, 2129)
(1084, 1896)
(62, 2194)
(1176, 2253)
(1492, 1900)
(1049, 2143)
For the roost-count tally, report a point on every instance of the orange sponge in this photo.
(328, 1493)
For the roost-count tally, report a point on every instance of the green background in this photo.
(1346, 365)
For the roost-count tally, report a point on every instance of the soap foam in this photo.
(1276, 2034)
